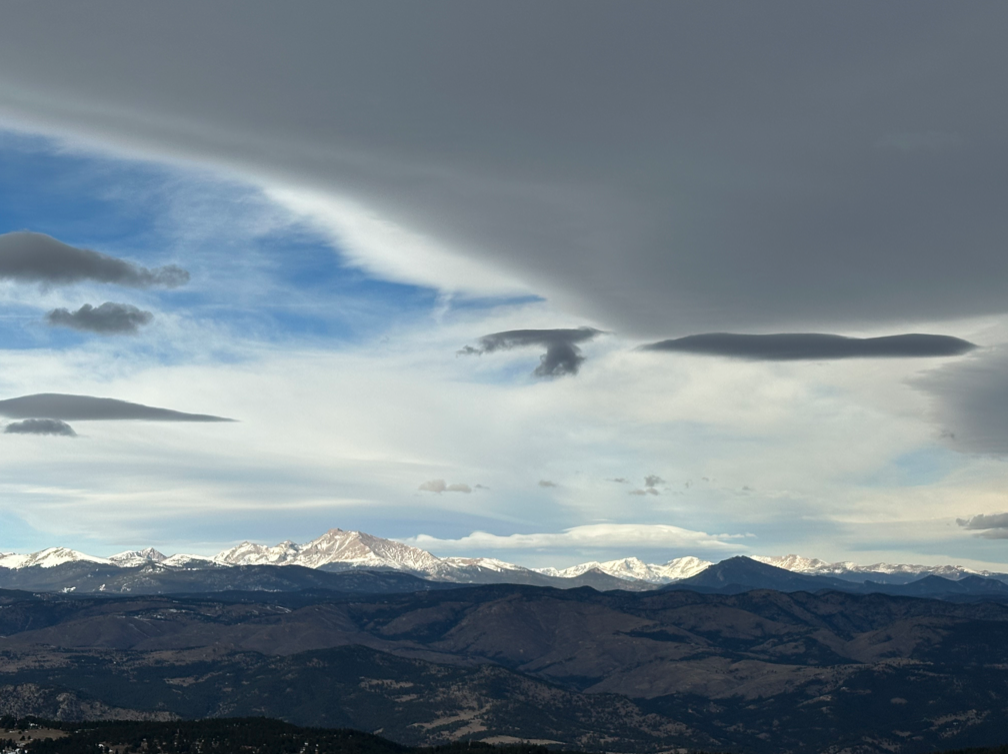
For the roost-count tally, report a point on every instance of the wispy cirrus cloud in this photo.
(37, 258)
(813, 346)
(107, 319)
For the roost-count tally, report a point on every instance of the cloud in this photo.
(562, 354)
(970, 401)
(993, 526)
(813, 346)
(645, 491)
(926, 141)
(37, 258)
(547, 483)
(40, 427)
(602, 536)
(88, 408)
(653, 480)
(620, 480)
(109, 318)
(792, 214)
(439, 486)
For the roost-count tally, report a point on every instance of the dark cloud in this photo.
(40, 427)
(969, 402)
(993, 526)
(439, 486)
(37, 258)
(547, 483)
(107, 319)
(88, 408)
(717, 168)
(562, 354)
(652, 480)
(813, 346)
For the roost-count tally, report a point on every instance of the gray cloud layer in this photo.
(40, 427)
(805, 346)
(970, 401)
(107, 319)
(722, 166)
(562, 354)
(38, 258)
(87, 408)
(993, 526)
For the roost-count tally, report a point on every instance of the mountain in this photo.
(742, 573)
(132, 558)
(48, 558)
(352, 548)
(883, 573)
(339, 551)
(634, 569)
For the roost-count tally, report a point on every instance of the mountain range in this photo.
(338, 551)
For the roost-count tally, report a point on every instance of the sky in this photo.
(542, 282)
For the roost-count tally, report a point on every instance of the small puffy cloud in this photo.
(439, 485)
(813, 346)
(88, 408)
(562, 355)
(37, 258)
(547, 483)
(993, 526)
(653, 480)
(40, 427)
(107, 319)
(620, 480)
(645, 491)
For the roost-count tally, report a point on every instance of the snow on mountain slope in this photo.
(338, 549)
(182, 560)
(48, 558)
(132, 558)
(816, 567)
(352, 548)
(634, 569)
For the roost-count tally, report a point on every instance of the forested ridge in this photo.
(217, 736)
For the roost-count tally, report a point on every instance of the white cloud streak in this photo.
(591, 536)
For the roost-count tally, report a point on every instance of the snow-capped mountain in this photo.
(850, 570)
(634, 569)
(339, 550)
(132, 558)
(352, 548)
(48, 558)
